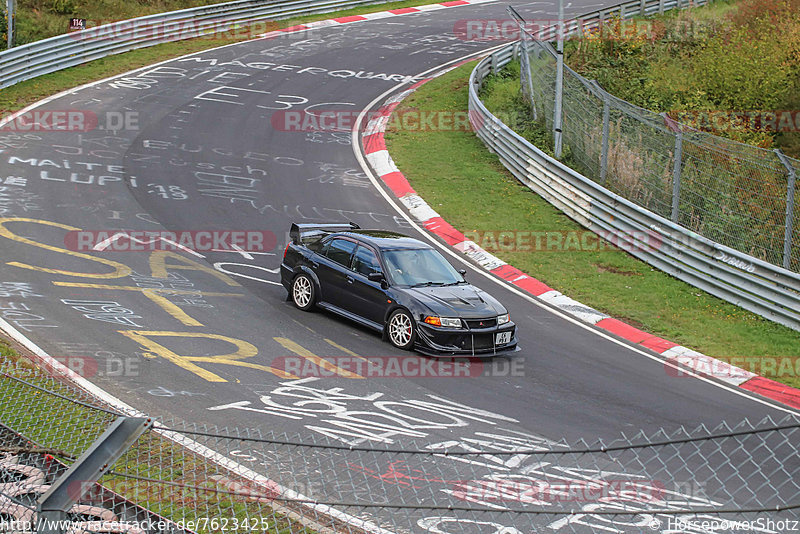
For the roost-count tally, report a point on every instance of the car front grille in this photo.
(491, 322)
(473, 341)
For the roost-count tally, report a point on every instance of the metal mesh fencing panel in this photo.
(541, 66)
(182, 477)
(734, 194)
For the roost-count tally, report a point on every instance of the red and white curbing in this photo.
(379, 159)
(371, 16)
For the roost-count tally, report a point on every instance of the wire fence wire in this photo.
(735, 194)
(183, 477)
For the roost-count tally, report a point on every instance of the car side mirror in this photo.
(463, 272)
(376, 277)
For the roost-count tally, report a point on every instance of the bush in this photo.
(738, 57)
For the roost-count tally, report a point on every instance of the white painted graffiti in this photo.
(734, 262)
(355, 419)
(439, 525)
(299, 69)
(104, 310)
(17, 289)
(171, 192)
(20, 315)
(341, 175)
(184, 292)
(16, 180)
(115, 171)
(234, 95)
(97, 146)
(339, 138)
(16, 141)
(148, 78)
(161, 391)
(239, 269)
(17, 198)
(527, 479)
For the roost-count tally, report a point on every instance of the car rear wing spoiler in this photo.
(297, 231)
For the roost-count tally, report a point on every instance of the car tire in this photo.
(303, 293)
(401, 330)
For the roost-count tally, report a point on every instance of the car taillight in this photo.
(286, 249)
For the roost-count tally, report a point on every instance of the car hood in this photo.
(465, 301)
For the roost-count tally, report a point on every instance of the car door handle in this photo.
(314, 264)
(350, 279)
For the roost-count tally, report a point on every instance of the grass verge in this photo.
(25, 93)
(455, 173)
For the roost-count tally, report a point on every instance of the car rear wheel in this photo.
(303, 292)
(401, 330)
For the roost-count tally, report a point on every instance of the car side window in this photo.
(365, 261)
(340, 251)
(318, 246)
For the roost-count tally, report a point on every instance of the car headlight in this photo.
(503, 319)
(447, 322)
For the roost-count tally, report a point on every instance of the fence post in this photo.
(84, 473)
(529, 75)
(557, 113)
(660, 7)
(790, 187)
(604, 153)
(11, 12)
(606, 125)
(676, 176)
(642, 7)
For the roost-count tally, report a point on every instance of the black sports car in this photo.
(396, 285)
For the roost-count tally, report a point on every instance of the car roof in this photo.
(385, 239)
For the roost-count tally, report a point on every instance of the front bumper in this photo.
(437, 341)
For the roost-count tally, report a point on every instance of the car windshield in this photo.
(420, 267)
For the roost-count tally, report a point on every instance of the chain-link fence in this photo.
(737, 195)
(180, 477)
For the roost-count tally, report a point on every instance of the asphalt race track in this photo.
(199, 151)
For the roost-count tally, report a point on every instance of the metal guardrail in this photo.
(63, 51)
(753, 284)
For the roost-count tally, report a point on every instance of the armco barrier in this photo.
(56, 53)
(753, 284)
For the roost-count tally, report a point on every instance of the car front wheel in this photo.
(401, 330)
(303, 292)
